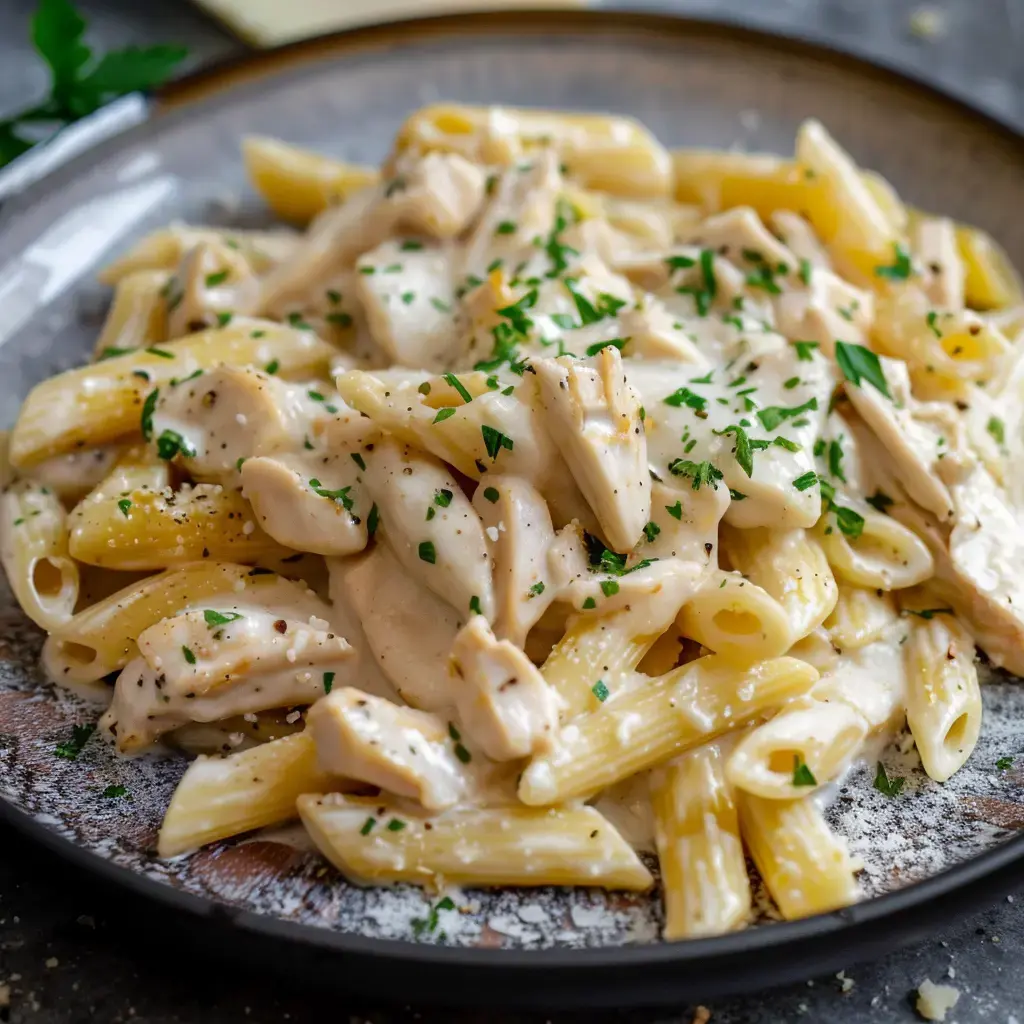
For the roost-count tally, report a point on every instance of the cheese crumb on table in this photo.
(933, 1001)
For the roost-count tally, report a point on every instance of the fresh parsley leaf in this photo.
(112, 792)
(491, 494)
(188, 654)
(886, 786)
(901, 268)
(802, 775)
(124, 504)
(651, 530)
(148, 408)
(675, 511)
(495, 440)
(701, 473)
(170, 443)
(997, 429)
(773, 416)
(589, 604)
(373, 520)
(537, 589)
(600, 691)
(1004, 762)
(806, 269)
(743, 451)
(805, 350)
(328, 682)
(684, 396)
(619, 343)
(454, 381)
(857, 363)
(214, 618)
(849, 521)
(443, 414)
(609, 588)
(70, 749)
(807, 480)
(835, 459)
(427, 552)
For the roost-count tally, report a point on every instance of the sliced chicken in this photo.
(406, 752)
(795, 232)
(594, 417)
(431, 526)
(206, 665)
(684, 524)
(408, 298)
(910, 433)
(233, 412)
(213, 282)
(409, 631)
(740, 236)
(504, 704)
(827, 310)
(439, 194)
(519, 535)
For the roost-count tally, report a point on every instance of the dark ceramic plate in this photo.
(934, 849)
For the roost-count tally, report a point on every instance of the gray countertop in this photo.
(73, 950)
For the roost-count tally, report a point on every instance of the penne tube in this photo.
(658, 719)
(609, 647)
(806, 867)
(165, 249)
(791, 566)
(737, 619)
(220, 797)
(138, 314)
(157, 529)
(372, 841)
(102, 639)
(105, 401)
(943, 697)
(799, 750)
(34, 553)
(600, 151)
(991, 282)
(860, 617)
(296, 183)
(137, 469)
(697, 832)
(884, 554)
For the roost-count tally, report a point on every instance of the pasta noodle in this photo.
(542, 465)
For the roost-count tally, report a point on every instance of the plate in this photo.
(936, 848)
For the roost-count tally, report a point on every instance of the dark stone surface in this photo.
(72, 950)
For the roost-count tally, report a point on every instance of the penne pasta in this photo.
(137, 316)
(373, 842)
(943, 697)
(656, 720)
(106, 401)
(34, 553)
(220, 797)
(696, 828)
(806, 867)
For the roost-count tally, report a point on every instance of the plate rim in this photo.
(214, 84)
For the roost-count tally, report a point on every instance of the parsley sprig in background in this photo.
(81, 81)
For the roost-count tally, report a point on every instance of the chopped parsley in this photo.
(111, 352)
(124, 504)
(170, 443)
(440, 305)
(835, 459)
(494, 441)
(675, 511)
(443, 497)
(357, 459)
(161, 352)
(805, 271)
(609, 588)
(600, 691)
(1004, 762)
(701, 473)
(328, 682)
(272, 367)
(773, 416)
(408, 298)
(474, 605)
(537, 589)
(743, 451)
(427, 552)
(901, 268)
(70, 749)
(410, 246)
(680, 262)
(589, 604)
(619, 343)
(188, 654)
(802, 775)
(886, 786)
(112, 792)
(651, 530)
(491, 494)
(444, 413)
(805, 350)
(454, 381)
(212, 280)
(339, 319)
(506, 227)
(807, 480)
(933, 326)
(463, 754)
(430, 923)
(148, 408)
(214, 618)
(340, 495)
(373, 520)
(684, 396)
(367, 826)
(395, 825)
(857, 363)
(997, 429)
